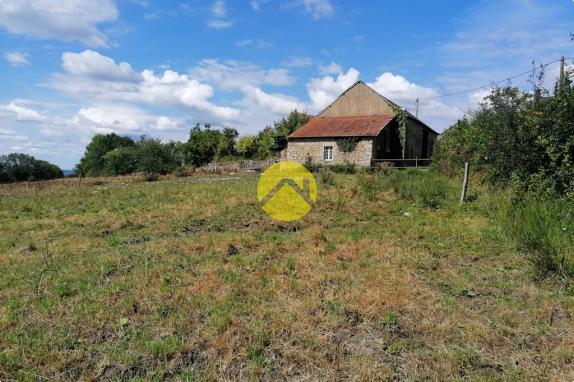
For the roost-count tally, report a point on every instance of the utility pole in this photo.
(417, 102)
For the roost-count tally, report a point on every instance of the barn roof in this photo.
(360, 126)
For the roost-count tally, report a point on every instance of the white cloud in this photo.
(235, 75)
(179, 90)
(332, 68)
(166, 123)
(17, 58)
(122, 119)
(6, 134)
(219, 18)
(478, 97)
(323, 91)
(257, 44)
(98, 78)
(396, 87)
(317, 8)
(298, 62)
(220, 24)
(20, 113)
(66, 20)
(94, 65)
(279, 104)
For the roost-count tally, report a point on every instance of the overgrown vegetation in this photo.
(523, 138)
(188, 279)
(524, 142)
(544, 228)
(430, 190)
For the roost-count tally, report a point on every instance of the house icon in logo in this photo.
(287, 191)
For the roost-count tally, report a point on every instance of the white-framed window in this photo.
(328, 153)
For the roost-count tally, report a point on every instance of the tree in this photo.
(93, 161)
(286, 127)
(247, 147)
(21, 167)
(154, 157)
(202, 145)
(120, 161)
(523, 138)
(226, 148)
(265, 143)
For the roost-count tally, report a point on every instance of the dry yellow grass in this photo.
(187, 279)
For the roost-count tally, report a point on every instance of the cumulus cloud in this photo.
(332, 68)
(65, 20)
(277, 103)
(323, 91)
(176, 89)
(396, 87)
(94, 65)
(101, 79)
(16, 58)
(124, 119)
(20, 113)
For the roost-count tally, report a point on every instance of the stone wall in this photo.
(299, 149)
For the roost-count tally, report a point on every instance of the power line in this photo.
(492, 83)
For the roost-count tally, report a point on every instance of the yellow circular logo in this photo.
(287, 191)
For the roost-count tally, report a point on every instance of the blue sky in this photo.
(70, 69)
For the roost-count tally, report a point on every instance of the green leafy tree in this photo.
(202, 145)
(93, 162)
(21, 167)
(226, 148)
(523, 138)
(287, 126)
(154, 157)
(121, 161)
(265, 143)
(247, 147)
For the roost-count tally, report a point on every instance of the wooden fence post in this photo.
(464, 183)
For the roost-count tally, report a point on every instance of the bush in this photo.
(544, 229)
(345, 168)
(310, 165)
(326, 176)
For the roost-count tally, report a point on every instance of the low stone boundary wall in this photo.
(240, 166)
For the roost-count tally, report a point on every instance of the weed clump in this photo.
(429, 190)
(544, 229)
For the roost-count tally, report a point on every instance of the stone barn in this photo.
(360, 127)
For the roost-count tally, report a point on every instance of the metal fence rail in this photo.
(403, 163)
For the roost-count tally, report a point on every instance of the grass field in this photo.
(187, 279)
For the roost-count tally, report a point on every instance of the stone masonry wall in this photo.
(299, 149)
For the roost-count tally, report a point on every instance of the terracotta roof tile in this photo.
(361, 126)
